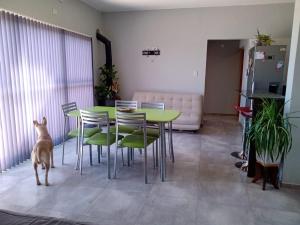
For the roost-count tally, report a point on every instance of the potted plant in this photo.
(263, 39)
(270, 133)
(107, 92)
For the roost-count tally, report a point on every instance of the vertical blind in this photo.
(42, 67)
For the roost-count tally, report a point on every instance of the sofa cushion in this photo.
(190, 106)
(188, 120)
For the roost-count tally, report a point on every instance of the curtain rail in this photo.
(43, 22)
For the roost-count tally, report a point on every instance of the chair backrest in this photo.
(136, 120)
(69, 107)
(126, 104)
(155, 105)
(94, 118)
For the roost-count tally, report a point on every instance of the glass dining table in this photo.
(161, 117)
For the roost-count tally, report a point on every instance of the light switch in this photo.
(54, 11)
(195, 74)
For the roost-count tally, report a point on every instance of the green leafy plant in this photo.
(270, 131)
(263, 39)
(109, 84)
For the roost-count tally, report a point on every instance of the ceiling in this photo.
(136, 5)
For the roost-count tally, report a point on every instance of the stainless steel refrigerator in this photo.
(267, 69)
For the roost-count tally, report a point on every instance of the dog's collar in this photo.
(44, 136)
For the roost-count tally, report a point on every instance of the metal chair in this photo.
(131, 141)
(155, 132)
(124, 104)
(67, 108)
(98, 119)
(152, 128)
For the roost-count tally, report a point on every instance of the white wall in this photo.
(292, 163)
(71, 14)
(182, 38)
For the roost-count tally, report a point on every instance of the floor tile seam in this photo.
(139, 214)
(294, 210)
(173, 198)
(225, 203)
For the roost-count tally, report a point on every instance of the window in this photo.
(41, 68)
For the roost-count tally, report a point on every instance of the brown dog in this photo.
(42, 152)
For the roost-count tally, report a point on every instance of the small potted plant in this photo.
(270, 133)
(263, 39)
(107, 92)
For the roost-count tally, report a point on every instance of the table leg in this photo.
(162, 151)
(171, 142)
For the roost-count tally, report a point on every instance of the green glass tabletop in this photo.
(152, 115)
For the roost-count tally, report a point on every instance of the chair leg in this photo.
(245, 131)
(128, 157)
(108, 161)
(122, 157)
(91, 156)
(145, 165)
(153, 151)
(78, 162)
(115, 161)
(77, 145)
(63, 152)
(78, 136)
(132, 155)
(156, 157)
(81, 158)
(98, 148)
(170, 154)
(63, 147)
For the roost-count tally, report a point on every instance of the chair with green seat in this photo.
(98, 119)
(132, 141)
(122, 104)
(152, 128)
(67, 108)
(155, 131)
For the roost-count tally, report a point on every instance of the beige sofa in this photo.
(190, 106)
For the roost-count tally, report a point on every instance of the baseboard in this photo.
(293, 186)
(219, 114)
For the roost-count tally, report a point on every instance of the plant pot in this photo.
(268, 171)
(266, 161)
(110, 102)
(106, 102)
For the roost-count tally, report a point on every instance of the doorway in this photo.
(223, 80)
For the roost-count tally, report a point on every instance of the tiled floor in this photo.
(202, 187)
